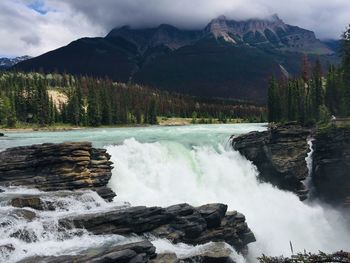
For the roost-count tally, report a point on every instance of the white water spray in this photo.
(38, 233)
(166, 173)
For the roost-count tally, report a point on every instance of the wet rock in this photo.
(54, 167)
(25, 235)
(180, 223)
(23, 213)
(1, 134)
(279, 154)
(216, 252)
(140, 252)
(32, 202)
(165, 258)
(7, 218)
(331, 165)
(6, 250)
(213, 214)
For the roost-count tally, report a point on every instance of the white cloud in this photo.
(25, 31)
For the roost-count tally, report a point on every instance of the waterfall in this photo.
(309, 160)
(41, 234)
(166, 173)
(164, 166)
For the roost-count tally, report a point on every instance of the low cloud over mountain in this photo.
(36, 26)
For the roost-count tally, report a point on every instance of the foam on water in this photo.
(166, 173)
(183, 250)
(168, 165)
(42, 235)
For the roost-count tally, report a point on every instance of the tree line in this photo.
(314, 96)
(85, 101)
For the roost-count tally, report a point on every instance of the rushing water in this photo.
(194, 164)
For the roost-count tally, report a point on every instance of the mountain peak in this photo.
(275, 18)
(222, 17)
(9, 62)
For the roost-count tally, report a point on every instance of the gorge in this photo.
(162, 167)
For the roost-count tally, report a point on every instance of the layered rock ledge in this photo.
(279, 154)
(179, 223)
(139, 252)
(54, 167)
(331, 165)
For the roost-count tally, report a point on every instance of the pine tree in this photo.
(93, 111)
(152, 113)
(316, 89)
(345, 51)
(305, 69)
(274, 107)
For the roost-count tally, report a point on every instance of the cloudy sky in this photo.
(32, 27)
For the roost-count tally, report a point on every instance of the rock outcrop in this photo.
(178, 223)
(32, 202)
(54, 167)
(215, 252)
(139, 252)
(331, 165)
(279, 154)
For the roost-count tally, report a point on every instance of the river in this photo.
(169, 165)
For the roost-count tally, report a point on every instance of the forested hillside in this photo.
(83, 101)
(227, 58)
(315, 95)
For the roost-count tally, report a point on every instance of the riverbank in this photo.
(162, 121)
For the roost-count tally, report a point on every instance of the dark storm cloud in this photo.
(31, 40)
(36, 26)
(326, 18)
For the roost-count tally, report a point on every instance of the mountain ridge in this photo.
(252, 32)
(10, 62)
(227, 58)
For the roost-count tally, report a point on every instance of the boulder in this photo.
(279, 154)
(139, 252)
(54, 167)
(181, 223)
(215, 252)
(331, 165)
(6, 250)
(21, 213)
(1, 134)
(165, 258)
(32, 202)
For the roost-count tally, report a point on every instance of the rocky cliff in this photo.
(179, 223)
(279, 155)
(76, 166)
(331, 165)
(54, 167)
(140, 252)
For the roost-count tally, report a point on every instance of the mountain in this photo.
(228, 58)
(10, 62)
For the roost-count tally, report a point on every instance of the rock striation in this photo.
(215, 252)
(279, 154)
(54, 167)
(178, 223)
(331, 165)
(139, 252)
